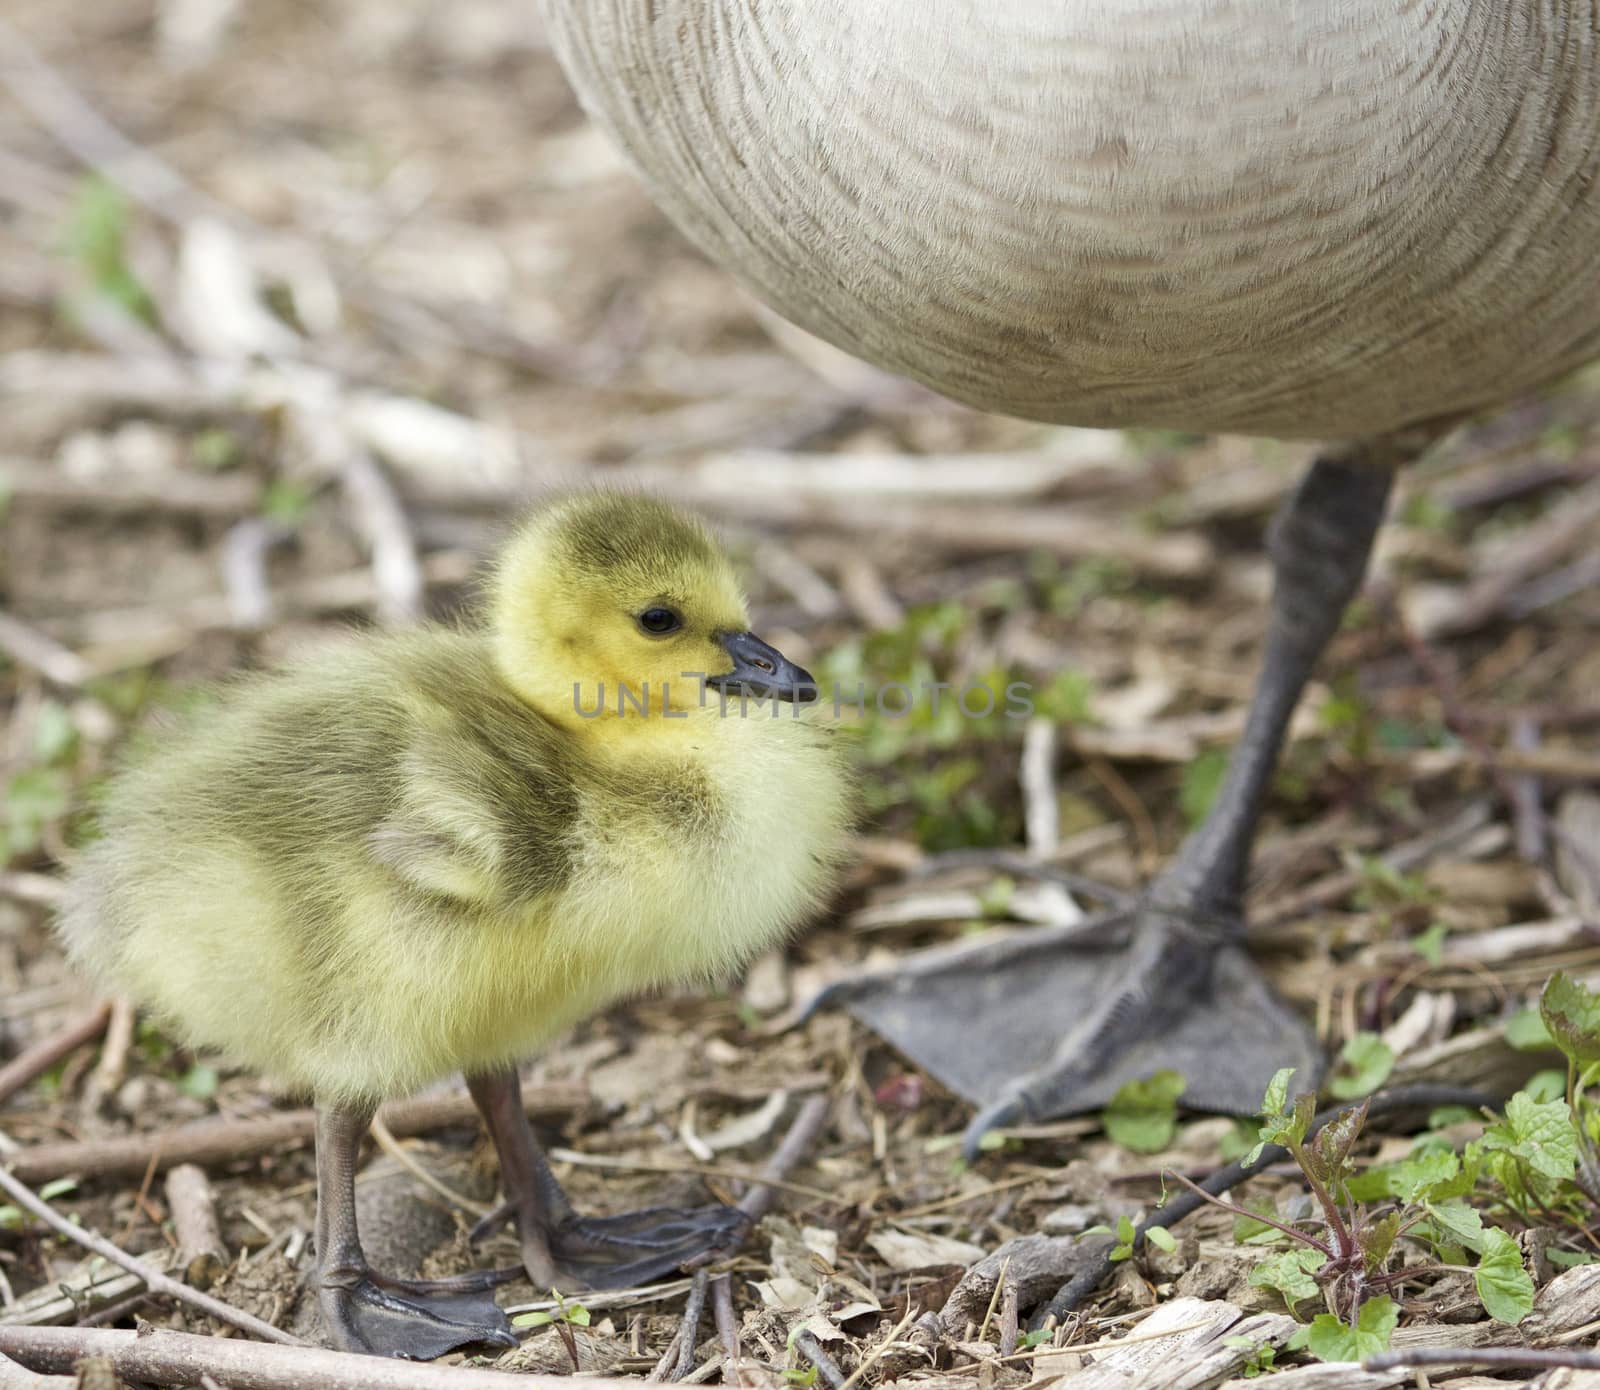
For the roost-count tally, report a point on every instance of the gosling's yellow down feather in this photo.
(415, 854)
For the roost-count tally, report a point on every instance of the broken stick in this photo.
(209, 1142)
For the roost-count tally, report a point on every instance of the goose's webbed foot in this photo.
(1051, 1022)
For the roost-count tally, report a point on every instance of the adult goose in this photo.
(1347, 220)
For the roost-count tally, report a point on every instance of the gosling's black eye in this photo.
(658, 622)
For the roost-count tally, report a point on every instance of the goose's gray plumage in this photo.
(1356, 220)
(1310, 219)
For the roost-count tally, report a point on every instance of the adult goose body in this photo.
(1309, 219)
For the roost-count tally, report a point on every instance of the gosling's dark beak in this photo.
(762, 671)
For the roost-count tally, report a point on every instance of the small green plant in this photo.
(199, 1082)
(1125, 1238)
(564, 1317)
(11, 1217)
(1347, 1254)
(97, 239)
(1364, 1065)
(911, 698)
(1260, 1359)
(286, 502)
(571, 1314)
(1329, 1338)
(1143, 1115)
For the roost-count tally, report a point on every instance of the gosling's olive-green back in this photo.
(278, 856)
(310, 764)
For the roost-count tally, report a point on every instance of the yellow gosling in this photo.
(433, 852)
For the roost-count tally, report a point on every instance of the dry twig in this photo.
(154, 1279)
(796, 1144)
(806, 1343)
(166, 1358)
(43, 1055)
(15, 1377)
(226, 1141)
(689, 1333)
(727, 1327)
(1496, 1358)
(33, 649)
(194, 1219)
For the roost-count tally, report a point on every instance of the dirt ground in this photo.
(298, 303)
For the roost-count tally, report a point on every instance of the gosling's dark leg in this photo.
(1039, 1026)
(370, 1312)
(559, 1246)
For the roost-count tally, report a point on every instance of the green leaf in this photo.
(199, 1082)
(1162, 1238)
(1429, 944)
(286, 502)
(537, 1319)
(1459, 1222)
(97, 238)
(1377, 1239)
(1547, 1085)
(994, 899)
(1561, 1259)
(1290, 1274)
(1202, 780)
(57, 1187)
(34, 797)
(1503, 1284)
(1248, 1231)
(54, 733)
(1419, 1174)
(1539, 1134)
(1365, 1062)
(1328, 1339)
(1281, 1124)
(1327, 1157)
(1127, 1232)
(1277, 1096)
(1143, 1115)
(1571, 1012)
(1526, 1032)
(1237, 1142)
(577, 1315)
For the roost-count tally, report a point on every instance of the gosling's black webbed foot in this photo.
(418, 1319)
(616, 1252)
(1050, 1022)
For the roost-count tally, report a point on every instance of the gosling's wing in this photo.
(485, 794)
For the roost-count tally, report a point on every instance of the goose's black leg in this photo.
(560, 1247)
(370, 1312)
(1037, 1025)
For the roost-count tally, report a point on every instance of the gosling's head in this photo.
(615, 611)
